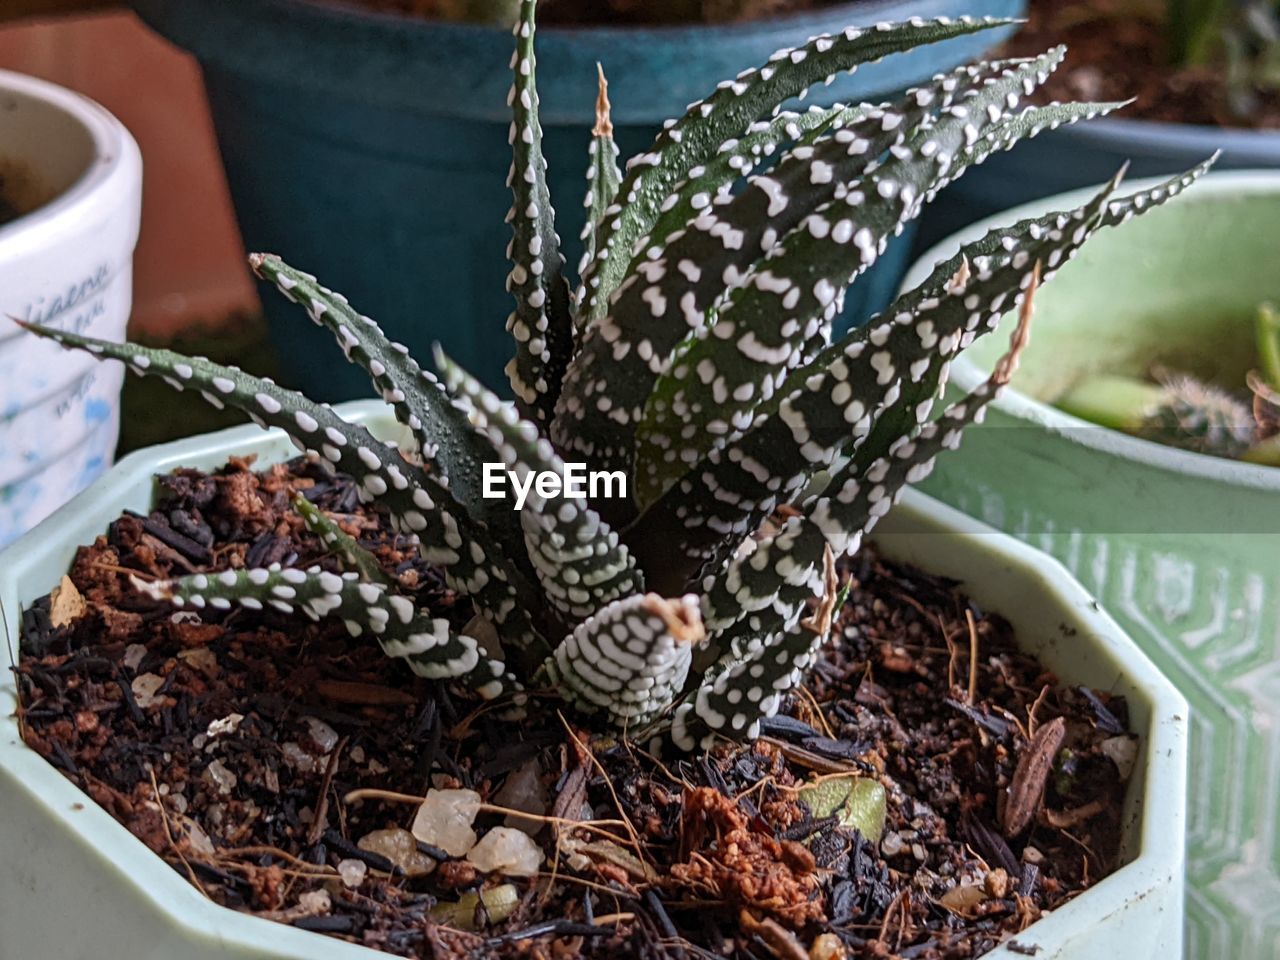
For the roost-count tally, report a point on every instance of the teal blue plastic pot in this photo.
(371, 149)
(1183, 549)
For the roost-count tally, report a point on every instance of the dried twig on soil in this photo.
(168, 834)
(322, 804)
(973, 656)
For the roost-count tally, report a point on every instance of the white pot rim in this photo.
(967, 375)
(114, 170)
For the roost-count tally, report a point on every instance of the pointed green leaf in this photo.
(1005, 254)
(1032, 121)
(732, 701)
(697, 136)
(1123, 209)
(827, 408)
(780, 571)
(603, 175)
(429, 645)
(664, 302)
(451, 447)
(786, 306)
(541, 322)
(738, 158)
(418, 502)
(353, 556)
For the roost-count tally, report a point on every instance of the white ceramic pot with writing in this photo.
(70, 202)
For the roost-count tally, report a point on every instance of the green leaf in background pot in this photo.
(1269, 343)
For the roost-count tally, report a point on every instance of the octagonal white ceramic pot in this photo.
(75, 884)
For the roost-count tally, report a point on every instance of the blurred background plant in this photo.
(1241, 35)
(1251, 41)
(1189, 61)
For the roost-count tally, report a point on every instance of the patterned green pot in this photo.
(1183, 549)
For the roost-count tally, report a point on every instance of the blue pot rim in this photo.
(394, 58)
(593, 35)
(1155, 138)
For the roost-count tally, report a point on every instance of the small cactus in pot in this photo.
(1179, 410)
(740, 447)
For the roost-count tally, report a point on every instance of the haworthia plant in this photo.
(742, 451)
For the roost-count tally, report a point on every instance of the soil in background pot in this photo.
(232, 743)
(20, 192)
(1117, 50)
(8, 210)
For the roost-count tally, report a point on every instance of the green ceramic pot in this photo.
(76, 885)
(1182, 548)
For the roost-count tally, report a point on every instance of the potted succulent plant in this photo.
(1180, 545)
(70, 199)
(393, 127)
(645, 555)
(1204, 77)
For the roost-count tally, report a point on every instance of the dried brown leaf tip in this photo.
(1026, 791)
(604, 125)
(682, 621)
(820, 622)
(960, 279)
(1008, 364)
